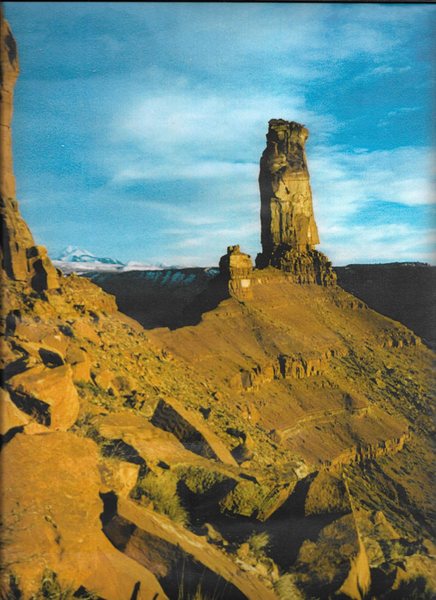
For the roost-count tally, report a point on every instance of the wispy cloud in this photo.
(195, 135)
(147, 121)
(344, 181)
(403, 110)
(389, 70)
(390, 243)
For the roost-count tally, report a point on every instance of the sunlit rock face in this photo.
(286, 197)
(238, 268)
(288, 228)
(21, 259)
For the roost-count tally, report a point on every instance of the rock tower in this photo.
(288, 229)
(237, 268)
(21, 259)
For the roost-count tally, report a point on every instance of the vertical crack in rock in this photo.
(288, 229)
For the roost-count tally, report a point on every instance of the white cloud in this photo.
(369, 243)
(344, 182)
(403, 110)
(195, 135)
(388, 70)
(190, 88)
(201, 169)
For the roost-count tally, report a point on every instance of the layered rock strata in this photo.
(288, 229)
(236, 266)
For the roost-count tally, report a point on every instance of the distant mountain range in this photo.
(76, 260)
(73, 254)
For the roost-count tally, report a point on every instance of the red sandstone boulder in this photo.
(48, 395)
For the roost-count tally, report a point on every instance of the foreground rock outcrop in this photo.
(62, 531)
(21, 259)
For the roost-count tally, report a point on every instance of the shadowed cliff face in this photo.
(168, 298)
(404, 292)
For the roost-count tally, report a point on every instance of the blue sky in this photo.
(138, 127)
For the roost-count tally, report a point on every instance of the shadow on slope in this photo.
(168, 298)
(174, 298)
(405, 292)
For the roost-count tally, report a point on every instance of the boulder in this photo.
(191, 430)
(12, 360)
(48, 395)
(80, 363)
(256, 501)
(44, 274)
(56, 341)
(327, 494)
(82, 328)
(168, 549)
(35, 353)
(335, 564)
(11, 418)
(119, 476)
(51, 505)
(245, 450)
(152, 444)
(105, 381)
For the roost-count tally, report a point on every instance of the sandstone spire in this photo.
(21, 260)
(286, 198)
(288, 228)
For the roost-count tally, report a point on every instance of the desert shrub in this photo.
(115, 449)
(286, 588)
(95, 395)
(197, 595)
(162, 491)
(85, 427)
(118, 449)
(249, 499)
(200, 480)
(51, 589)
(258, 543)
(13, 592)
(89, 387)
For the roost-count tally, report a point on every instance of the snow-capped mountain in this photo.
(77, 260)
(72, 254)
